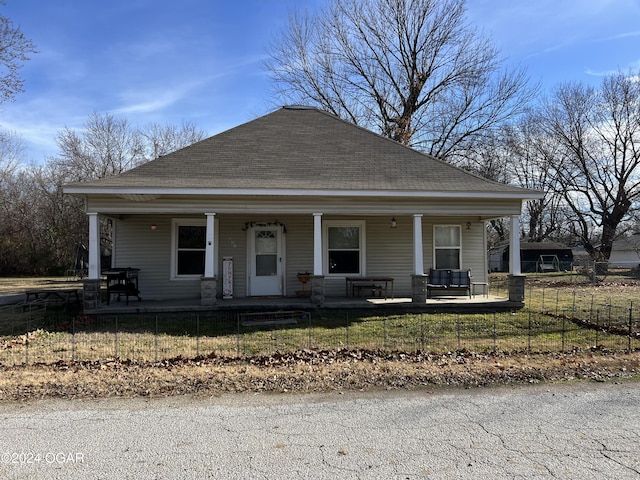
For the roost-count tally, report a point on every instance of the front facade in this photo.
(242, 213)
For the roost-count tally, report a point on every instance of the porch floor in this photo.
(478, 303)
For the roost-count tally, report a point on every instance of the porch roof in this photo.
(299, 151)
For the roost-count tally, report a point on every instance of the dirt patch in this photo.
(307, 371)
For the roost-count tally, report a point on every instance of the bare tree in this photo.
(159, 140)
(106, 146)
(14, 50)
(597, 167)
(39, 225)
(413, 69)
(530, 153)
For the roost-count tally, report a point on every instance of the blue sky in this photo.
(169, 61)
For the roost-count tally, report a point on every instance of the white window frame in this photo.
(194, 222)
(361, 224)
(447, 247)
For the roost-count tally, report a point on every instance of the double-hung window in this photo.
(344, 253)
(188, 242)
(447, 246)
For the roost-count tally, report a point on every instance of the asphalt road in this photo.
(577, 431)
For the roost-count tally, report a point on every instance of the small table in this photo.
(368, 283)
(485, 288)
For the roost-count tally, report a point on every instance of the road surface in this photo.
(579, 430)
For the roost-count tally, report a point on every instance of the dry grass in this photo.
(308, 371)
(18, 285)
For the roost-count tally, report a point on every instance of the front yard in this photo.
(54, 354)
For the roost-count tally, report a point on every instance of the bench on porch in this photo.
(374, 289)
(373, 285)
(449, 281)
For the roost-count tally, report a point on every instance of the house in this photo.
(534, 257)
(625, 252)
(298, 190)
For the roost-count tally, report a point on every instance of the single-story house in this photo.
(298, 190)
(625, 252)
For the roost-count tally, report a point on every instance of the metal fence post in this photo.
(116, 339)
(73, 338)
(384, 332)
(495, 332)
(630, 325)
(156, 340)
(346, 331)
(529, 333)
(238, 334)
(197, 335)
(563, 331)
(422, 332)
(26, 341)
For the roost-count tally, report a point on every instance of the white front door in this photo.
(265, 261)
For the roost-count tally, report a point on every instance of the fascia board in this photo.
(79, 190)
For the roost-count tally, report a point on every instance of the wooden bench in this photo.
(449, 281)
(357, 288)
(355, 285)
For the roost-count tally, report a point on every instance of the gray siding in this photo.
(389, 252)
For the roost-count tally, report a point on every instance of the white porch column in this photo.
(514, 246)
(94, 247)
(208, 249)
(317, 244)
(418, 260)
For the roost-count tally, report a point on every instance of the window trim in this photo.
(193, 222)
(361, 224)
(436, 247)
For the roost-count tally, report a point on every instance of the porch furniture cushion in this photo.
(449, 280)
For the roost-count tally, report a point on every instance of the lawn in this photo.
(545, 325)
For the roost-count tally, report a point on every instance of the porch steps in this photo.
(281, 317)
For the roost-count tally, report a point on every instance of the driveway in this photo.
(579, 430)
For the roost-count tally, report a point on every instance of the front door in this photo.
(265, 261)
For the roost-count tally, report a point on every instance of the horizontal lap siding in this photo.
(389, 251)
(473, 245)
(136, 245)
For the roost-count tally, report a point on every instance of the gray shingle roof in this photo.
(301, 148)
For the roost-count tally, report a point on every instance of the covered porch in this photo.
(400, 251)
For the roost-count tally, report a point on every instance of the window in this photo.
(188, 248)
(344, 242)
(190, 252)
(447, 246)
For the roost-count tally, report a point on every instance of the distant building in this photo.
(534, 257)
(625, 252)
